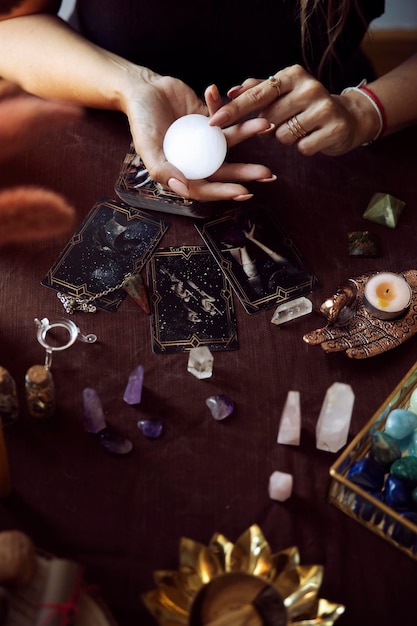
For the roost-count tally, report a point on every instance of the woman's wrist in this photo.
(367, 110)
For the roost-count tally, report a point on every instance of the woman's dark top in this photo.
(223, 41)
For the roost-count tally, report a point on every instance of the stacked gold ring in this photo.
(295, 128)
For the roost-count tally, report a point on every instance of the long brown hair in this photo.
(334, 14)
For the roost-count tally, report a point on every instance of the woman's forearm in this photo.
(397, 92)
(47, 58)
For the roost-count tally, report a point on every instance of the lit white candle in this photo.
(387, 295)
(194, 147)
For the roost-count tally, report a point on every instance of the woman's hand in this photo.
(303, 111)
(155, 103)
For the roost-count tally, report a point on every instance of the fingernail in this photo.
(267, 130)
(220, 118)
(234, 90)
(178, 187)
(215, 93)
(243, 197)
(267, 180)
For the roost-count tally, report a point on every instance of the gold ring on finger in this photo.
(295, 128)
(275, 82)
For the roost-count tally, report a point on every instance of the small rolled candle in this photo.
(387, 296)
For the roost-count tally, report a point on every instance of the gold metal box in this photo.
(358, 503)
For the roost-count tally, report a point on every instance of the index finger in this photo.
(254, 99)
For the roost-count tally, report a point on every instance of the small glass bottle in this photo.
(40, 392)
(9, 405)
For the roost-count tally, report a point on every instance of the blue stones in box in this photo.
(400, 423)
(368, 474)
(384, 448)
(397, 494)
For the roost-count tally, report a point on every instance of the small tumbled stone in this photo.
(400, 423)
(412, 448)
(200, 362)
(115, 444)
(221, 406)
(397, 494)
(94, 420)
(133, 391)
(152, 429)
(362, 243)
(367, 473)
(280, 486)
(384, 448)
(405, 469)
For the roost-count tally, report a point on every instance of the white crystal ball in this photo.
(194, 147)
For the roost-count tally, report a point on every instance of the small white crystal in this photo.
(280, 486)
(289, 431)
(200, 362)
(332, 427)
(291, 310)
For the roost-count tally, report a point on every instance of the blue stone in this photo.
(397, 494)
(152, 429)
(384, 448)
(368, 474)
(400, 423)
(221, 406)
(367, 510)
(412, 448)
(403, 535)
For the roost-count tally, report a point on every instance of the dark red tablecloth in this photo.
(122, 517)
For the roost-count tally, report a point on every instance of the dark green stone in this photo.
(405, 469)
(384, 448)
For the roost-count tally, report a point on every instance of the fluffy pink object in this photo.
(33, 214)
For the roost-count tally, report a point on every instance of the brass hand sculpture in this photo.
(352, 329)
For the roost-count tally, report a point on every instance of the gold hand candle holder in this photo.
(369, 315)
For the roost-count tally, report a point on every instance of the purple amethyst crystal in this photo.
(221, 406)
(114, 443)
(150, 428)
(133, 391)
(94, 419)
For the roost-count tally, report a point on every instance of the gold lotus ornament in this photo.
(240, 584)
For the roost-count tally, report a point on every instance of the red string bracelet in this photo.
(376, 103)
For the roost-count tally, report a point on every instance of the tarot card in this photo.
(259, 259)
(192, 303)
(112, 242)
(136, 187)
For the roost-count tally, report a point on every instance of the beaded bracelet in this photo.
(376, 103)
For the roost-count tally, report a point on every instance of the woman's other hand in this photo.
(303, 112)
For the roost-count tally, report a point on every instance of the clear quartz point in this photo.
(200, 362)
(291, 310)
(289, 431)
(332, 427)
